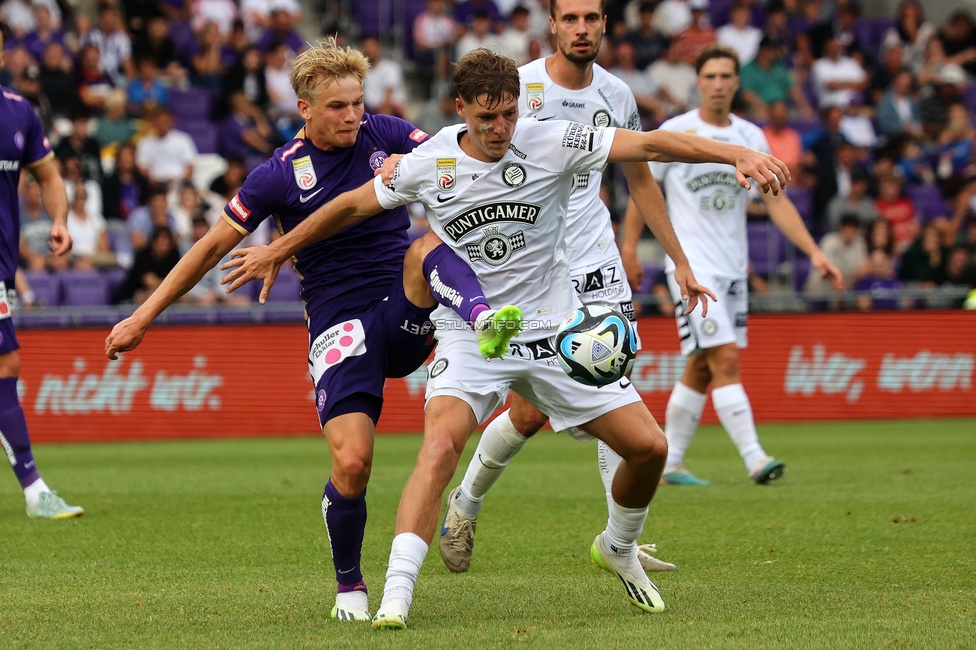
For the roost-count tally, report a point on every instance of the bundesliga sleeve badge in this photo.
(304, 172)
(446, 173)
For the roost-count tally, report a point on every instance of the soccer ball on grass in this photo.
(596, 345)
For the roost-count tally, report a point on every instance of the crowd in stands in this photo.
(158, 110)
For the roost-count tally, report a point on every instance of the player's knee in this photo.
(441, 453)
(651, 449)
(528, 421)
(724, 363)
(352, 472)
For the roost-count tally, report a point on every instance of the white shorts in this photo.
(531, 370)
(726, 320)
(603, 282)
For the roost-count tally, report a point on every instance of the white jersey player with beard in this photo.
(591, 250)
(508, 219)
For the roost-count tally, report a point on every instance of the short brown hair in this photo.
(482, 72)
(552, 8)
(325, 61)
(716, 52)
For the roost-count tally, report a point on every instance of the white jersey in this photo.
(507, 219)
(707, 205)
(607, 101)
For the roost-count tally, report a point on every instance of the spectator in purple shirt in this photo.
(44, 33)
(879, 289)
(246, 131)
(282, 30)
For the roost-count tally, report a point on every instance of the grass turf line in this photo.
(866, 542)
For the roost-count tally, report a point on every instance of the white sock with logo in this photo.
(499, 443)
(681, 418)
(32, 493)
(624, 526)
(608, 461)
(735, 413)
(406, 557)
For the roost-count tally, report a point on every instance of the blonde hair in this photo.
(325, 62)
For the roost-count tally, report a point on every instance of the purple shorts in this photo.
(8, 338)
(349, 360)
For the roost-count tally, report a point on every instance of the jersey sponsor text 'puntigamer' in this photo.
(474, 218)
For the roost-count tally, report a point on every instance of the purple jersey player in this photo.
(368, 294)
(23, 145)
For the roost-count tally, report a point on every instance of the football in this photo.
(596, 345)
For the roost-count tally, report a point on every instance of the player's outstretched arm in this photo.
(202, 257)
(771, 173)
(784, 214)
(647, 198)
(263, 262)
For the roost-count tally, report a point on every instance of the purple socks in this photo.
(13, 433)
(454, 284)
(345, 521)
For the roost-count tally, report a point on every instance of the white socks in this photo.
(681, 418)
(623, 528)
(406, 557)
(498, 444)
(608, 460)
(735, 413)
(32, 493)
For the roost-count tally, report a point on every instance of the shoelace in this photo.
(462, 542)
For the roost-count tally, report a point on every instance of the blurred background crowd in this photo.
(158, 111)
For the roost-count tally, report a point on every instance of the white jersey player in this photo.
(569, 85)
(496, 191)
(712, 231)
(591, 248)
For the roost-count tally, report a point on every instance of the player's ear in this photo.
(459, 105)
(303, 108)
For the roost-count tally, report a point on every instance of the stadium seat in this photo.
(191, 316)
(802, 198)
(114, 276)
(46, 287)
(653, 273)
(83, 288)
(970, 95)
(928, 201)
(193, 104)
(373, 18)
(767, 247)
(287, 288)
(203, 133)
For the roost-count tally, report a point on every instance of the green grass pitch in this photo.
(867, 542)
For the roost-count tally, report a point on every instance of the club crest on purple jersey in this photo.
(19, 139)
(320, 401)
(377, 158)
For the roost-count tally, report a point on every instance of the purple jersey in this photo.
(354, 269)
(22, 145)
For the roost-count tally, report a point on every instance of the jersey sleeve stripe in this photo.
(238, 227)
(40, 161)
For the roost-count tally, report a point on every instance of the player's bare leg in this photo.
(503, 438)
(350, 438)
(631, 432)
(449, 423)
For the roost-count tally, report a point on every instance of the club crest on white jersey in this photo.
(304, 172)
